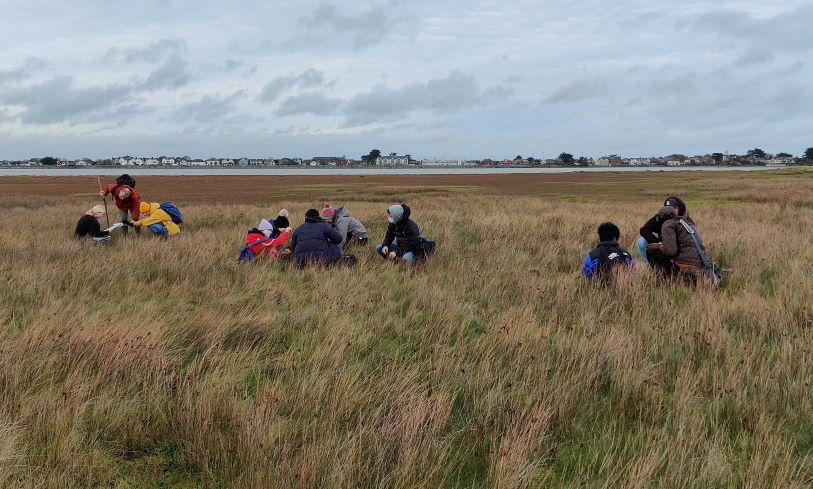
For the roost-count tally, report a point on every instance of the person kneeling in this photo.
(403, 240)
(88, 226)
(157, 220)
(607, 256)
(315, 242)
(677, 253)
(267, 239)
(350, 228)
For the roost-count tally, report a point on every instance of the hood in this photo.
(407, 213)
(341, 212)
(609, 242)
(314, 219)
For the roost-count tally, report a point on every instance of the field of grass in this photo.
(167, 364)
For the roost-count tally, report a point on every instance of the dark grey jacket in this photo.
(316, 242)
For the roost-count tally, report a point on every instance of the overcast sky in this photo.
(452, 79)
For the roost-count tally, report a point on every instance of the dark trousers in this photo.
(661, 263)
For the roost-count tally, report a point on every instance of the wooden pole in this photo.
(106, 215)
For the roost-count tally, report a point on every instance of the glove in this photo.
(128, 223)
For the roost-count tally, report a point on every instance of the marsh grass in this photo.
(150, 363)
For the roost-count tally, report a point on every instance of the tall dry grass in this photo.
(150, 363)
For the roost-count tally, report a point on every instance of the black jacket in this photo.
(316, 242)
(651, 231)
(405, 232)
(89, 226)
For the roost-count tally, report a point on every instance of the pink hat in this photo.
(328, 211)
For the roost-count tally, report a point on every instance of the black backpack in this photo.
(126, 180)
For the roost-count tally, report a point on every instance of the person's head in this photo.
(395, 213)
(328, 211)
(666, 213)
(608, 231)
(677, 203)
(124, 193)
(144, 208)
(312, 214)
(97, 211)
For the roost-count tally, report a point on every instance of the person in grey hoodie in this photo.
(351, 230)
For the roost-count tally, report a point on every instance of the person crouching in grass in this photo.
(156, 220)
(88, 226)
(607, 255)
(403, 240)
(315, 242)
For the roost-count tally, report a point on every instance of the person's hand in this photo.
(101, 193)
(391, 255)
(128, 223)
(653, 247)
(385, 251)
(288, 229)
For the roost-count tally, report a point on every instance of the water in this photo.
(300, 171)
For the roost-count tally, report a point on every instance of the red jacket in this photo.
(270, 247)
(131, 204)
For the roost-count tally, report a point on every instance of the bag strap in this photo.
(703, 257)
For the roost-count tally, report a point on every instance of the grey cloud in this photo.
(754, 56)
(449, 94)
(789, 30)
(308, 103)
(210, 109)
(579, 90)
(330, 27)
(174, 73)
(28, 68)
(57, 100)
(273, 89)
(153, 53)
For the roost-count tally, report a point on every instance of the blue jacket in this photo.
(316, 242)
(602, 258)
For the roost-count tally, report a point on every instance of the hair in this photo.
(311, 214)
(679, 205)
(125, 190)
(608, 231)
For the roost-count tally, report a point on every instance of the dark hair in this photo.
(608, 231)
(281, 222)
(677, 203)
(312, 214)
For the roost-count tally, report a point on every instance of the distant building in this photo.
(393, 160)
(442, 162)
(330, 160)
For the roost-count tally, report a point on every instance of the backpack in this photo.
(171, 209)
(425, 248)
(245, 252)
(126, 180)
(712, 271)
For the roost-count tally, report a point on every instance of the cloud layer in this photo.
(452, 80)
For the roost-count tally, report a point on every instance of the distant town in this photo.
(754, 157)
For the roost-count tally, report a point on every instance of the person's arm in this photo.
(157, 217)
(669, 245)
(96, 229)
(293, 240)
(108, 188)
(589, 266)
(279, 240)
(331, 234)
(651, 230)
(390, 236)
(341, 228)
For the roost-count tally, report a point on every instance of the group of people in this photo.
(324, 237)
(161, 220)
(669, 242)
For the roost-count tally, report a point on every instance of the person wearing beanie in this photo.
(315, 242)
(403, 239)
(676, 253)
(156, 220)
(351, 229)
(267, 239)
(88, 225)
(127, 200)
(607, 255)
(651, 230)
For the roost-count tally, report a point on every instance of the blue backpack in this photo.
(171, 209)
(245, 252)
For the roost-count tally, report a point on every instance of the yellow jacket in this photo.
(159, 216)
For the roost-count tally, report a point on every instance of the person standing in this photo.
(127, 199)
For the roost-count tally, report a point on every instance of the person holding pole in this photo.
(127, 199)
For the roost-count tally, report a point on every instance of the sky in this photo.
(454, 79)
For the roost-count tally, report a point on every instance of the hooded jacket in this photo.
(159, 216)
(316, 242)
(405, 233)
(130, 204)
(677, 243)
(604, 257)
(266, 246)
(347, 225)
(651, 230)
